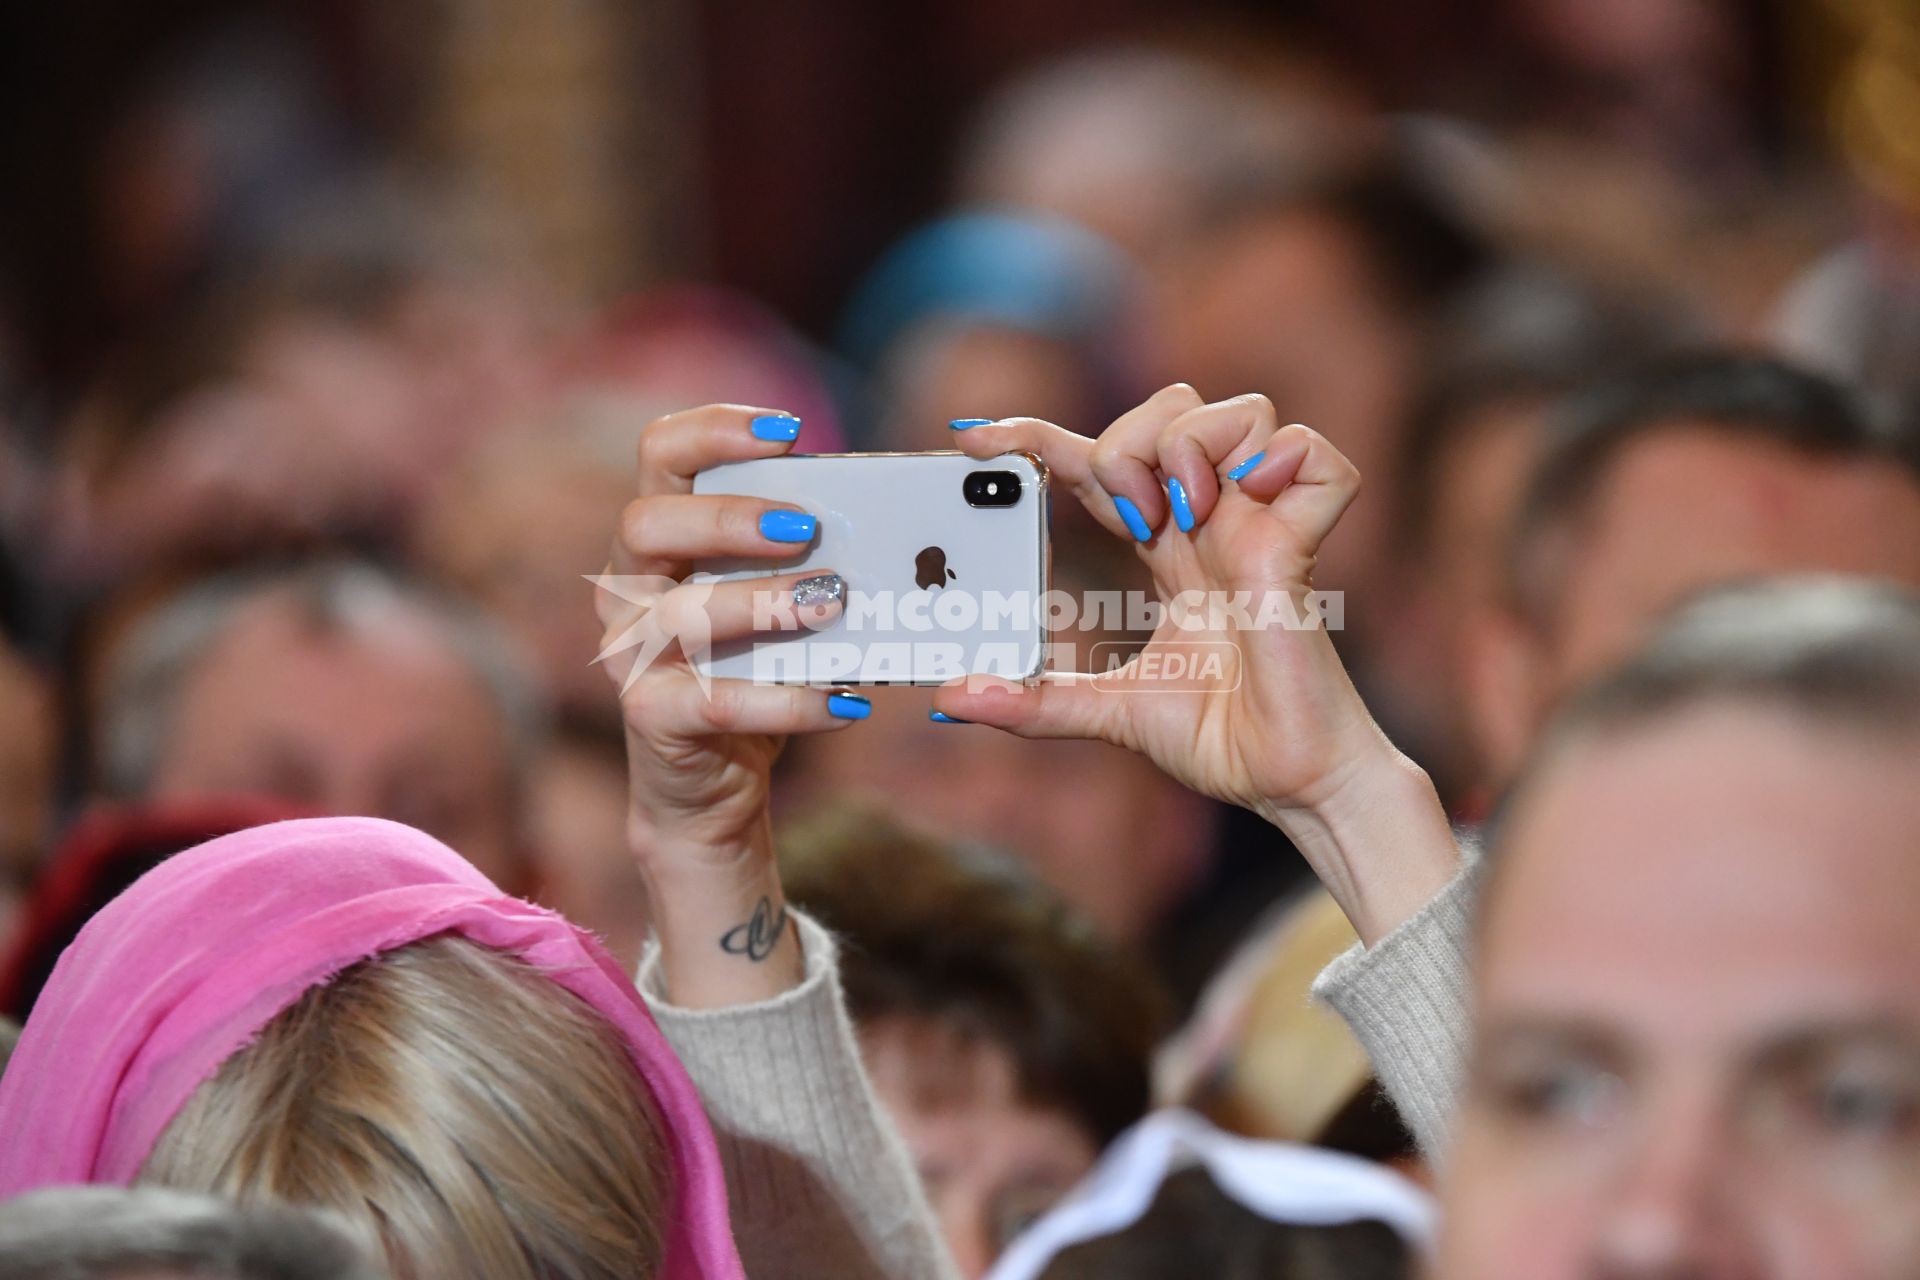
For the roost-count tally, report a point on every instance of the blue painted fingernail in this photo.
(1130, 515)
(788, 526)
(848, 706)
(962, 424)
(941, 717)
(1246, 466)
(1182, 509)
(776, 426)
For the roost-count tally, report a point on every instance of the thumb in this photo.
(1061, 705)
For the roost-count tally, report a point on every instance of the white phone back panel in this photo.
(882, 517)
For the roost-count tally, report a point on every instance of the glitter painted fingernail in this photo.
(822, 588)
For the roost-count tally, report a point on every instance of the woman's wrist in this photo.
(1379, 840)
(721, 921)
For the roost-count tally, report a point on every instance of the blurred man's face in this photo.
(389, 724)
(1454, 602)
(1697, 1040)
(1683, 510)
(991, 1161)
(1691, 508)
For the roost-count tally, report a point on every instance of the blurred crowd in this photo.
(1624, 306)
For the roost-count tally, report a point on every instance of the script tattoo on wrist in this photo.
(757, 937)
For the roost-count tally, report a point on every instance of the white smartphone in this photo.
(945, 560)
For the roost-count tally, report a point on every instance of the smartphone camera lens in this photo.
(991, 489)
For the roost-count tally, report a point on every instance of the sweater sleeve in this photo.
(1406, 999)
(817, 1180)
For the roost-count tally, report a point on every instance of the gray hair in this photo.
(105, 1233)
(1826, 648)
(145, 680)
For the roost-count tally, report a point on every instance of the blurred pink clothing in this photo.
(184, 969)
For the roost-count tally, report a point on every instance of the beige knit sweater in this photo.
(1406, 998)
(819, 1185)
(818, 1181)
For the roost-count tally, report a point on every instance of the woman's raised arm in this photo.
(1228, 508)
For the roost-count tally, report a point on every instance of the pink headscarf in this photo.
(186, 967)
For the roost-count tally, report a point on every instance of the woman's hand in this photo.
(1228, 507)
(699, 756)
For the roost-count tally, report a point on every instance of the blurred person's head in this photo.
(1116, 837)
(1193, 1228)
(1009, 1040)
(419, 278)
(577, 832)
(337, 687)
(1512, 347)
(342, 1013)
(989, 315)
(406, 1089)
(256, 422)
(1322, 292)
(316, 391)
(685, 345)
(1696, 1035)
(1129, 142)
(1677, 80)
(1698, 471)
(514, 528)
(1174, 1197)
(112, 1233)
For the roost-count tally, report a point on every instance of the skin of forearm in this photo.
(1380, 841)
(721, 920)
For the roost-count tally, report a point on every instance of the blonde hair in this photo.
(477, 1119)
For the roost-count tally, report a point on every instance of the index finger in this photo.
(673, 449)
(1194, 446)
(676, 448)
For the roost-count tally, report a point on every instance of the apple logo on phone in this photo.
(930, 569)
